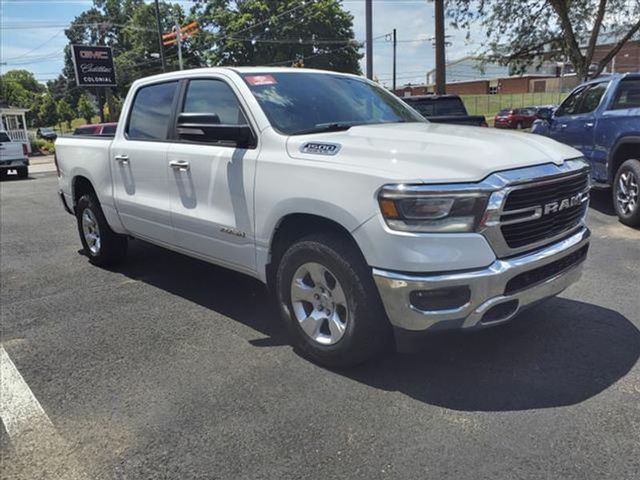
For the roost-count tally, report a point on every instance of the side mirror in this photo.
(206, 128)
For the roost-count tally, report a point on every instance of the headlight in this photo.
(445, 212)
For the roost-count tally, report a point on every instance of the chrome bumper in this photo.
(487, 288)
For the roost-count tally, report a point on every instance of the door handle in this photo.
(563, 125)
(180, 165)
(122, 159)
(588, 125)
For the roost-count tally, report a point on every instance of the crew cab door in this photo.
(579, 120)
(211, 182)
(139, 164)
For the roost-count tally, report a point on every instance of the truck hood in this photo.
(429, 152)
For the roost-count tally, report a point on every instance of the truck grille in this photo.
(555, 218)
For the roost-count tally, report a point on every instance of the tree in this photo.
(85, 108)
(19, 88)
(129, 28)
(318, 34)
(521, 33)
(65, 112)
(47, 112)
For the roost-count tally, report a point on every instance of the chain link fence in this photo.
(489, 105)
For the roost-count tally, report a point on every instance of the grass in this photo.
(489, 105)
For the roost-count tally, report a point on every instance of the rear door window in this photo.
(628, 95)
(151, 112)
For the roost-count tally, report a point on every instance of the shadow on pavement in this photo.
(601, 200)
(229, 293)
(561, 352)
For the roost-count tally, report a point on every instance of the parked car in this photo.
(517, 118)
(363, 218)
(444, 109)
(47, 133)
(14, 158)
(104, 129)
(601, 118)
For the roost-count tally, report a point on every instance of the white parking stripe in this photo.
(42, 453)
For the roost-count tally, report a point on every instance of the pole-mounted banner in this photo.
(93, 66)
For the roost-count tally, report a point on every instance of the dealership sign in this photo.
(93, 66)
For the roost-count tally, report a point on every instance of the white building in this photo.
(13, 121)
(470, 68)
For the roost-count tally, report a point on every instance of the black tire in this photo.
(627, 215)
(112, 246)
(367, 331)
(23, 172)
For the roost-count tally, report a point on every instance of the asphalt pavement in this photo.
(168, 367)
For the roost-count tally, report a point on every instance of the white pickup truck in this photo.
(13, 157)
(365, 219)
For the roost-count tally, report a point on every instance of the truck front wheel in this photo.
(102, 245)
(626, 193)
(329, 301)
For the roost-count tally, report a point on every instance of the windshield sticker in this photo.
(320, 148)
(257, 80)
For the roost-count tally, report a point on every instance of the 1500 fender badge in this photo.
(320, 148)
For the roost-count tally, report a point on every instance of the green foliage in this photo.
(42, 145)
(524, 32)
(47, 111)
(318, 34)
(65, 112)
(85, 108)
(19, 88)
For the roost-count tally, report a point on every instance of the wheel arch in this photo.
(293, 226)
(81, 185)
(625, 148)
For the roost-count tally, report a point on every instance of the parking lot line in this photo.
(33, 436)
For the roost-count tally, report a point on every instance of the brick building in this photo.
(549, 78)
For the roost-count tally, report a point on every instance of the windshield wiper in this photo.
(326, 127)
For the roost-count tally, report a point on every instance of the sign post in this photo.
(93, 65)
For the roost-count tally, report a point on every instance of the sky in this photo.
(32, 36)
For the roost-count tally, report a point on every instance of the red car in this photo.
(100, 129)
(515, 118)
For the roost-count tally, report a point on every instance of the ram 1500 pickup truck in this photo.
(601, 118)
(363, 218)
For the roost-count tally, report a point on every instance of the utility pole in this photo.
(179, 40)
(440, 58)
(164, 65)
(395, 44)
(369, 39)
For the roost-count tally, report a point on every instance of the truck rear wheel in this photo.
(102, 245)
(626, 193)
(330, 303)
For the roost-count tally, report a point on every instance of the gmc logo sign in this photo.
(563, 204)
(94, 54)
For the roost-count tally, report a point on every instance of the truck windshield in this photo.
(297, 102)
(4, 137)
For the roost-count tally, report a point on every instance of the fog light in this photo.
(447, 298)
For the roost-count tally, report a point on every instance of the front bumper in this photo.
(497, 292)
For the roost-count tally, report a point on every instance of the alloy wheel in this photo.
(627, 192)
(319, 303)
(91, 231)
